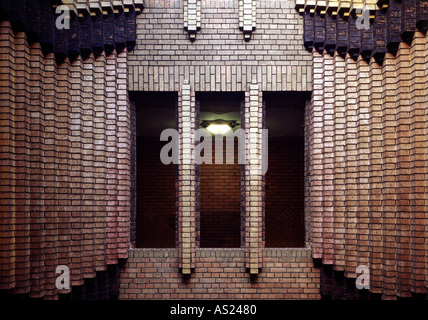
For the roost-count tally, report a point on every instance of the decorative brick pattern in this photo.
(192, 17)
(247, 17)
(219, 59)
(66, 143)
(378, 183)
(391, 22)
(95, 26)
(286, 274)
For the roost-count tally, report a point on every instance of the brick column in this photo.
(316, 154)
(22, 161)
(403, 170)
(192, 17)
(186, 179)
(339, 162)
(76, 174)
(247, 17)
(363, 161)
(426, 161)
(351, 167)
(375, 175)
(253, 179)
(58, 111)
(37, 185)
(419, 177)
(123, 156)
(389, 191)
(7, 153)
(100, 152)
(328, 158)
(111, 148)
(88, 180)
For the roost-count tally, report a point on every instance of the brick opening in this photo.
(284, 180)
(220, 184)
(155, 182)
(220, 219)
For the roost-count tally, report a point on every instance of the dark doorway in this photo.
(155, 181)
(284, 197)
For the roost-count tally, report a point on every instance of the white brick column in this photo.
(186, 183)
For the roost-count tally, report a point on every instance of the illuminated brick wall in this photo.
(220, 202)
(67, 139)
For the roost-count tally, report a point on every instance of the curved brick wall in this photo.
(367, 148)
(65, 149)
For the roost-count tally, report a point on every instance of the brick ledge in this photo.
(219, 252)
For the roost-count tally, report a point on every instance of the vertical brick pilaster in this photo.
(100, 154)
(22, 188)
(186, 179)
(112, 151)
(389, 191)
(123, 155)
(328, 147)
(76, 169)
(253, 179)
(426, 158)
(375, 176)
(351, 167)
(403, 150)
(363, 162)
(7, 152)
(418, 134)
(37, 184)
(58, 110)
(192, 17)
(247, 17)
(88, 180)
(339, 162)
(316, 154)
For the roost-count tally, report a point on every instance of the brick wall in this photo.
(219, 274)
(65, 165)
(220, 202)
(368, 158)
(219, 59)
(284, 199)
(155, 196)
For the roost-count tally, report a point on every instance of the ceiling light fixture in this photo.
(220, 127)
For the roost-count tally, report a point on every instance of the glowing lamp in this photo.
(220, 127)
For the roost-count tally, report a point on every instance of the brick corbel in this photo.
(192, 17)
(247, 17)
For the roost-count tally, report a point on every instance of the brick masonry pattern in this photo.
(221, 274)
(219, 59)
(367, 155)
(65, 148)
